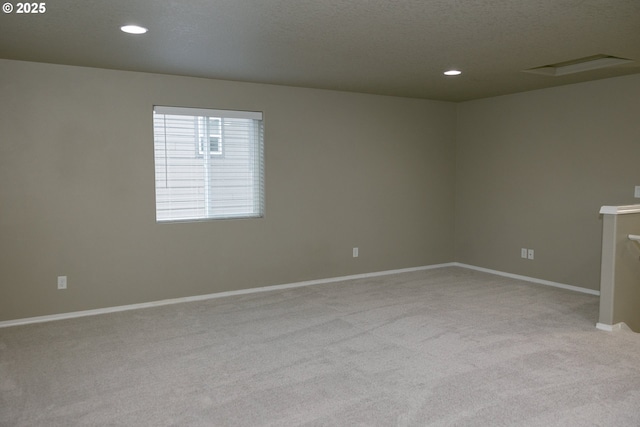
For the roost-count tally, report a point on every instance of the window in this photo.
(208, 164)
(209, 132)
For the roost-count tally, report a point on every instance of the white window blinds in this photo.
(208, 164)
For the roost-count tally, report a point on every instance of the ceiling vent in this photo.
(579, 65)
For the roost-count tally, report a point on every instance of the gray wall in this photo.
(77, 189)
(533, 170)
(342, 170)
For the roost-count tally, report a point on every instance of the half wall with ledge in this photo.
(620, 269)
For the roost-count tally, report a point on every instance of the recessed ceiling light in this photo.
(452, 73)
(578, 65)
(133, 29)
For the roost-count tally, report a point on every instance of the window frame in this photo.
(250, 202)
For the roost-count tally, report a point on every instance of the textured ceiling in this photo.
(390, 47)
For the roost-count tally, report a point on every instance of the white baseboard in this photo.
(611, 328)
(75, 314)
(530, 279)
(106, 310)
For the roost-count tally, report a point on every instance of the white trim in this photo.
(106, 310)
(530, 279)
(620, 210)
(207, 112)
(610, 328)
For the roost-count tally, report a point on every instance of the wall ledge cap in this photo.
(620, 210)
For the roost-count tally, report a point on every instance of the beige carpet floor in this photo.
(444, 347)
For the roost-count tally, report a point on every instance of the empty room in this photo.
(337, 213)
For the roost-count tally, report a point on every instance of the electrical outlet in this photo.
(355, 252)
(62, 282)
(636, 194)
(523, 253)
(530, 254)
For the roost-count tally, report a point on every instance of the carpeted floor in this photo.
(440, 347)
